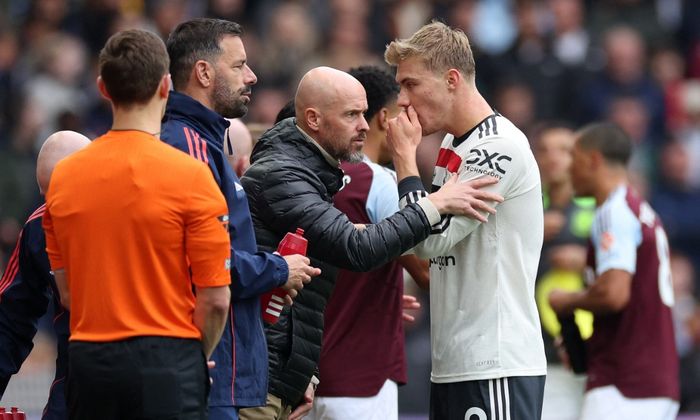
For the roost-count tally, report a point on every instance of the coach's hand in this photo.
(466, 198)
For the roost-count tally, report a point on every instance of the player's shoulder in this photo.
(381, 173)
(617, 212)
(494, 132)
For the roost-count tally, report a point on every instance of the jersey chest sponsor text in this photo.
(443, 261)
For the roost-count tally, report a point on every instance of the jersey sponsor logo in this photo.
(443, 261)
(347, 179)
(607, 240)
(227, 263)
(494, 160)
(224, 221)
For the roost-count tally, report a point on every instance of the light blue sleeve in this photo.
(616, 236)
(383, 197)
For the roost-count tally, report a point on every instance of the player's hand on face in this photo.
(466, 198)
(404, 133)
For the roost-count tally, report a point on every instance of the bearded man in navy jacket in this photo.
(212, 82)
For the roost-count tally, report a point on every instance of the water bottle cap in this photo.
(300, 231)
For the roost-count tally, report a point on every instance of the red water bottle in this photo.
(17, 415)
(273, 302)
(4, 414)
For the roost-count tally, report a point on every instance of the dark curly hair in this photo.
(380, 85)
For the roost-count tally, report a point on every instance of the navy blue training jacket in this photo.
(240, 375)
(27, 288)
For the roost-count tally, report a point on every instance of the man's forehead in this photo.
(233, 46)
(409, 67)
(352, 103)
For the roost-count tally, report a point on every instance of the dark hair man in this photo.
(632, 363)
(487, 349)
(213, 82)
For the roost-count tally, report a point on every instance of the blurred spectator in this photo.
(689, 132)
(569, 38)
(167, 14)
(677, 202)
(464, 14)
(689, 36)
(93, 22)
(227, 9)
(9, 51)
(625, 74)
(632, 116)
(17, 167)
(531, 60)
(667, 68)
(348, 43)
(58, 85)
(567, 225)
(516, 101)
(494, 26)
(686, 314)
(406, 16)
(286, 46)
(266, 104)
(638, 14)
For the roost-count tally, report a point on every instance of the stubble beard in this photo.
(227, 103)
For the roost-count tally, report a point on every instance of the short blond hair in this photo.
(441, 48)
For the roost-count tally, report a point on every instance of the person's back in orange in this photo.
(126, 211)
(132, 227)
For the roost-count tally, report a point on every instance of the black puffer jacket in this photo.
(291, 185)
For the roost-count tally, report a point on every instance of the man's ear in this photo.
(103, 88)
(453, 77)
(164, 87)
(597, 159)
(203, 73)
(382, 118)
(312, 118)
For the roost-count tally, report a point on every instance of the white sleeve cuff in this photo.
(431, 212)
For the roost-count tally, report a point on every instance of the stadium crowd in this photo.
(540, 63)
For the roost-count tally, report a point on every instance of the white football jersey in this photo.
(484, 321)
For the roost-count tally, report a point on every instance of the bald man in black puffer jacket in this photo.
(290, 184)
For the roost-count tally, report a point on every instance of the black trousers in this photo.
(514, 398)
(139, 378)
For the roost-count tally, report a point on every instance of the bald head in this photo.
(238, 144)
(59, 145)
(330, 106)
(323, 86)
